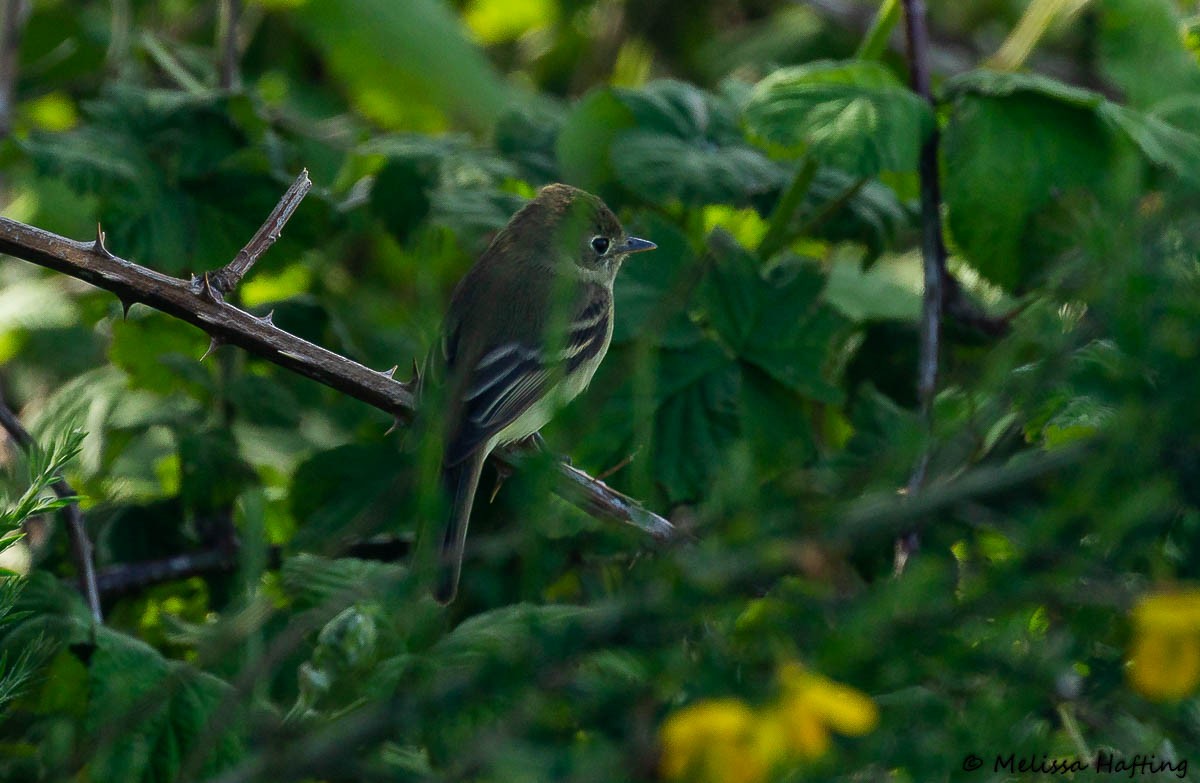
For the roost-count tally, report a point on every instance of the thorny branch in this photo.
(225, 279)
(199, 302)
(81, 545)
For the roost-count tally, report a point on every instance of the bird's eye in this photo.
(600, 245)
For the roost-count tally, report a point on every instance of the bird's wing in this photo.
(512, 376)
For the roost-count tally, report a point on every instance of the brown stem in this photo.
(225, 279)
(81, 545)
(197, 303)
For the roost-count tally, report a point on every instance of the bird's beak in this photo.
(635, 245)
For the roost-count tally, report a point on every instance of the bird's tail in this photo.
(459, 483)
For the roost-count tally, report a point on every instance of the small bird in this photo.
(527, 327)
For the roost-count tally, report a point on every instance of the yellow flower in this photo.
(1165, 661)
(719, 741)
(725, 741)
(843, 709)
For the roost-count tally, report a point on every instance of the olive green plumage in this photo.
(526, 329)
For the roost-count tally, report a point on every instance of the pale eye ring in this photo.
(600, 245)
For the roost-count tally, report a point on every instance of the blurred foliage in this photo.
(759, 390)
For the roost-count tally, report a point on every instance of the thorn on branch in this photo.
(210, 292)
(268, 319)
(390, 372)
(98, 246)
(213, 345)
(503, 471)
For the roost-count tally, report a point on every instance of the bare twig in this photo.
(129, 578)
(227, 277)
(81, 545)
(231, 13)
(14, 15)
(197, 303)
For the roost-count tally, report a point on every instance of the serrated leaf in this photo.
(696, 419)
(854, 116)
(666, 140)
(528, 135)
(782, 326)
(163, 707)
(648, 291)
(313, 580)
(872, 215)
(1163, 143)
(507, 633)
(657, 166)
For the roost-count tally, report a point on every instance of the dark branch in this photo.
(129, 578)
(933, 253)
(195, 303)
(933, 248)
(225, 279)
(81, 545)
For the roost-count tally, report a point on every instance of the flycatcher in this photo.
(527, 327)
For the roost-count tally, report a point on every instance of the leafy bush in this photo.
(760, 390)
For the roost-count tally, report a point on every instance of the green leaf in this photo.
(400, 195)
(666, 140)
(1163, 144)
(1053, 150)
(657, 166)
(583, 144)
(263, 400)
(528, 135)
(781, 325)
(508, 633)
(213, 471)
(387, 54)
(1141, 51)
(1000, 84)
(311, 580)
(651, 291)
(854, 116)
(318, 496)
(160, 708)
(696, 419)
